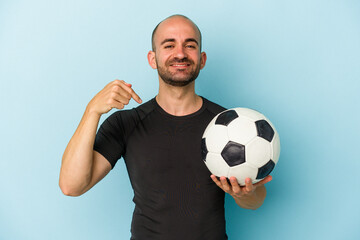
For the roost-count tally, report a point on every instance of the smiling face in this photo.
(177, 55)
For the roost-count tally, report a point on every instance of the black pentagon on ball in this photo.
(233, 153)
(265, 170)
(225, 118)
(204, 150)
(264, 130)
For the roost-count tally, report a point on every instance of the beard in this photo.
(181, 77)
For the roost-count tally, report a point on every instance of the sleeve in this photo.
(110, 138)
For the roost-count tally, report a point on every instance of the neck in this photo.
(178, 101)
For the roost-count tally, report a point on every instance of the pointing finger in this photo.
(136, 97)
(127, 87)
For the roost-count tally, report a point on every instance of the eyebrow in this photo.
(173, 40)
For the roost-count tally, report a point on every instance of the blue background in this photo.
(298, 62)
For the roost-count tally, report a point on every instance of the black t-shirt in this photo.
(174, 195)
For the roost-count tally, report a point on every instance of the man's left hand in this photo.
(237, 191)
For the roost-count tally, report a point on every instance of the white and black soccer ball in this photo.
(240, 142)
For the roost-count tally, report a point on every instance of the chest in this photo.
(165, 149)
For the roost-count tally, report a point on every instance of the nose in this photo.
(180, 52)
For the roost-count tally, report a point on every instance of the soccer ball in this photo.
(240, 142)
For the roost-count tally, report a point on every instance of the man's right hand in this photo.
(116, 94)
(82, 167)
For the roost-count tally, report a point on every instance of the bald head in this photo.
(172, 18)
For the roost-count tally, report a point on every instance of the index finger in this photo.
(128, 88)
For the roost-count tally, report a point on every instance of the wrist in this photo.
(91, 112)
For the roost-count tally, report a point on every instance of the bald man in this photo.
(160, 141)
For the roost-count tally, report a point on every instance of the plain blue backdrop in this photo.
(298, 62)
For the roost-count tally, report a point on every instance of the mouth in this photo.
(180, 65)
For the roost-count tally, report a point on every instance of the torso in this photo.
(174, 195)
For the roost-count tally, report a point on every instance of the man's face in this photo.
(177, 54)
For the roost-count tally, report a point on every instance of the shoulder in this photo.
(131, 116)
(212, 107)
(145, 109)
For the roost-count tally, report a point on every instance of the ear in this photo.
(203, 58)
(151, 59)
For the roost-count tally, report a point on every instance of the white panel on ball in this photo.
(258, 152)
(252, 114)
(243, 171)
(216, 138)
(242, 131)
(275, 148)
(216, 164)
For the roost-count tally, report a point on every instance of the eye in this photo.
(168, 46)
(191, 46)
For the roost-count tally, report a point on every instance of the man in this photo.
(174, 195)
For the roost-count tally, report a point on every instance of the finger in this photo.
(127, 84)
(214, 178)
(116, 104)
(235, 185)
(118, 95)
(127, 87)
(249, 187)
(122, 98)
(119, 82)
(216, 181)
(265, 180)
(225, 184)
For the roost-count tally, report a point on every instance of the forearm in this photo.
(253, 201)
(77, 161)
